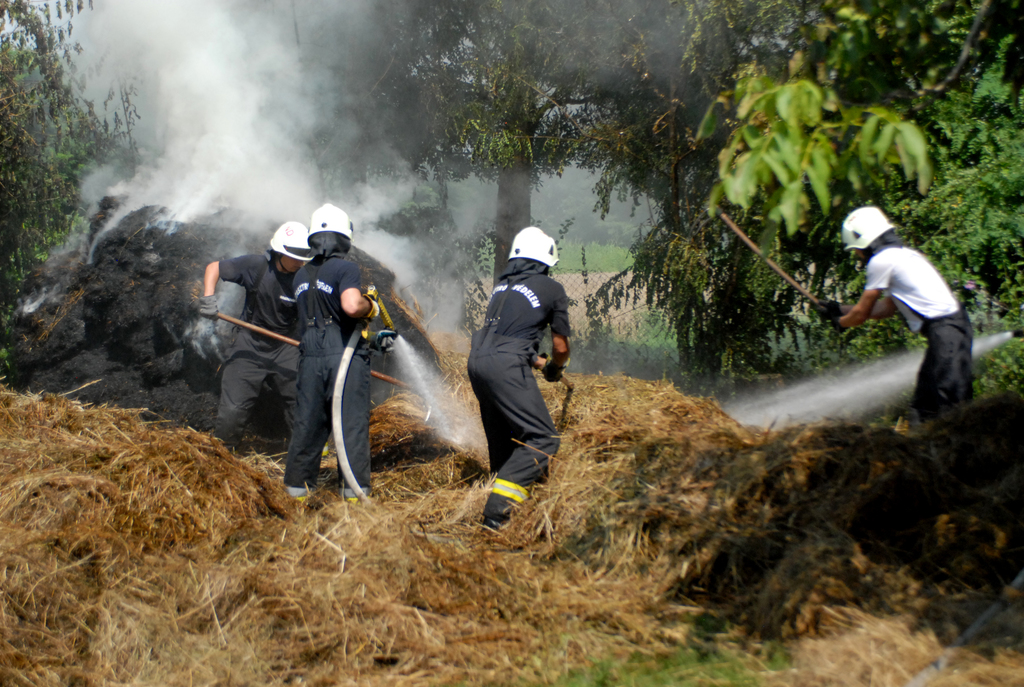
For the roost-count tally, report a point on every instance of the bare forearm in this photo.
(870, 306)
(355, 304)
(210, 278)
(559, 350)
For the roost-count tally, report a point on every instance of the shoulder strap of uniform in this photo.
(315, 306)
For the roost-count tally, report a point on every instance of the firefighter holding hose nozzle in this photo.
(332, 311)
(521, 436)
(902, 280)
(253, 359)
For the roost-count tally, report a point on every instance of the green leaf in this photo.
(868, 132)
(752, 136)
(819, 174)
(767, 237)
(925, 174)
(914, 143)
(708, 124)
(854, 178)
(725, 156)
(812, 100)
(884, 140)
(745, 185)
(716, 197)
(784, 106)
(790, 144)
(779, 169)
(789, 206)
(905, 159)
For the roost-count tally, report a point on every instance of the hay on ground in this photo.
(132, 553)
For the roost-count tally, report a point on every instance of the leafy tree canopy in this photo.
(46, 138)
(840, 118)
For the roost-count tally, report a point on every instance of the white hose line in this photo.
(337, 431)
(936, 666)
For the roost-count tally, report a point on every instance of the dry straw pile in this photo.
(138, 554)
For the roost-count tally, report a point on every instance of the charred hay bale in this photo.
(113, 321)
(773, 530)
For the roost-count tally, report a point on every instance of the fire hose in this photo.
(336, 428)
(339, 392)
(1000, 605)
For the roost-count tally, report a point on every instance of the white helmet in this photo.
(864, 225)
(329, 218)
(534, 244)
(290, 240)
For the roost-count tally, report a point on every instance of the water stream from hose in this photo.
(850, 394)
(426, 383)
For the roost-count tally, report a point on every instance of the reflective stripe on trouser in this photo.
(945, 377)
(244, 373)
(318, 368)
(503, 487)
(520, 434)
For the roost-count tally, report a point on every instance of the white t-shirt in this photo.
(914, 284)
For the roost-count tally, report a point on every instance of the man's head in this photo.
(533, 244)
(290, 244)
(867, 231)
(330, 232)
(862, 226)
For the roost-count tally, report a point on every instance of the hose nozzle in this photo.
(371, 291)
(1018, 333)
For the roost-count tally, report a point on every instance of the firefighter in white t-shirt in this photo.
(902, 280)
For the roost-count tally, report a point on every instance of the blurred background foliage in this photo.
(784, 114)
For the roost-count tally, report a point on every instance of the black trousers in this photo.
(518, 426)
(248, 367)
(322, 350)
(945, 377)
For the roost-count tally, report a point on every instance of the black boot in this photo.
(492, 524)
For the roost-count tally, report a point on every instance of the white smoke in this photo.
(241, 105)
(218, 94)
(228, 110)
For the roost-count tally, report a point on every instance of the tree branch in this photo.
(954, 74)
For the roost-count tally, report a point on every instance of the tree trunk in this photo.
(513, 210)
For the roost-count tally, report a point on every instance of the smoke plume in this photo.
(231, 112)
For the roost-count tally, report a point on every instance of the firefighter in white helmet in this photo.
(253, 359)
(902, 280)
(520, 434)
(331, 306)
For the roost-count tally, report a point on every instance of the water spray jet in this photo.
(853, 393)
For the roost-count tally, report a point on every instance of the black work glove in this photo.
(384, 340)
(208, 307)
(831, 311)
(551, 371)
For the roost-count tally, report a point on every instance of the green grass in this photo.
(687, 668)
(599, 258)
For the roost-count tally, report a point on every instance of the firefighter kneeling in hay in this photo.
(521, 436)
(254, 359)
(902, 280)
